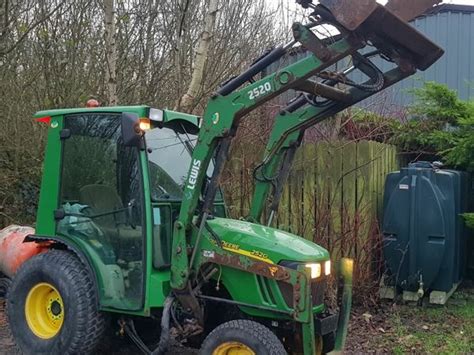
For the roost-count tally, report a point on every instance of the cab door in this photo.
(101, 206)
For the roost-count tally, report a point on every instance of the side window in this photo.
(101, 196)
(162, 231)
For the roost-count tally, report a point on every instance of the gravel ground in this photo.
(6, 342)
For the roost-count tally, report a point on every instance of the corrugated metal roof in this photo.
(449, 26)
(449, 8)
(453, 31)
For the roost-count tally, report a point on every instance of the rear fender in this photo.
(61, 244)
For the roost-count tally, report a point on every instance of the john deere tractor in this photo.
(131, 223)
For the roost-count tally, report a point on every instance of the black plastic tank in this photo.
(424, 237)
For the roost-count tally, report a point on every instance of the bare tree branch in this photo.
(111, 52)
(4, 52)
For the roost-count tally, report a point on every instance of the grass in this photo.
(436, 329)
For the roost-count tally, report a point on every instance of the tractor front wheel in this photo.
(52, 306)
(242, 337)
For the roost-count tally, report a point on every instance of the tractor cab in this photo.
(110, 194)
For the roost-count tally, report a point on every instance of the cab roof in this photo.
(141, 110)
(68, 111)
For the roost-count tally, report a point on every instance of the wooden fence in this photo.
(333, 196)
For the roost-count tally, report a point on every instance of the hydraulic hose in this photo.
(363, 63)
(294, 104)
(164, 343)
(256, 68)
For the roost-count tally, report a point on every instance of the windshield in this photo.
(169, 160)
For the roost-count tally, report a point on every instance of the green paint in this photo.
(140, 110)
(49, 192)
(149, 229)
(276, 244)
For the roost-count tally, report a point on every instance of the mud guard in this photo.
(57, 243)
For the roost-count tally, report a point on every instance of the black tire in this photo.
(254, 335)
(4, 286)
(83, 325)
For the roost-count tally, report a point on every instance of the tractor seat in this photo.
(103, 199)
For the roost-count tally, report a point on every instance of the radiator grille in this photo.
(318, 289)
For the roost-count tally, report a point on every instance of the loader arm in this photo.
(287, 134)
(400, 43)
(220, 122)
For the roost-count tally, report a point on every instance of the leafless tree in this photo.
(110, 52)
(59, 53)
(202, 54)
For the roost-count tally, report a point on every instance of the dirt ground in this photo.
(410, 328)
(387, 328)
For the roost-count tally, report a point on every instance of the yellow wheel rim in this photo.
(44, 310)
(233, 348)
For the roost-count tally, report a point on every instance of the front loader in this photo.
(131, 223)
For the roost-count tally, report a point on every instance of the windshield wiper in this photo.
(166, 197)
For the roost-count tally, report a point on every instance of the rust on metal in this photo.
(188, 300)
(297, 296)
(311, 42)
(187, 330)
(326, 91)
(407, 10)
(270, 271)
(349, 13)
(388, 31)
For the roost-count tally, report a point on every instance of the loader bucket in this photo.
(349, 13)
(407, 10)
(386, 28)
(393, 34)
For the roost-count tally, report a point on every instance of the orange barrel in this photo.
(13, 252)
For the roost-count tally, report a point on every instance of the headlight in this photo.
(145, 124)
(315, 270)
(327, 268)
(156, 115)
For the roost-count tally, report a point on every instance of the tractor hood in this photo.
(265, 243)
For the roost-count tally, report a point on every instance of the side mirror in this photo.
(131, 132)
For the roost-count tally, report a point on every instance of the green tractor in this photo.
(132, 224)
